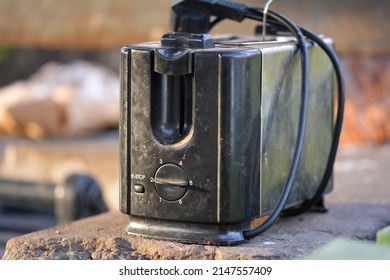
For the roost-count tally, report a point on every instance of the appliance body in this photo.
(208, 129)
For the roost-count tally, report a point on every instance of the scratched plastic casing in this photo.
(208, 130)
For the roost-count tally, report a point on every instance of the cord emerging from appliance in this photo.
(266, 7)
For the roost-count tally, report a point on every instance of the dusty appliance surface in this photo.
(207, 133)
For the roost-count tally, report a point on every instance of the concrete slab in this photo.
(358, 207)
(102, 237)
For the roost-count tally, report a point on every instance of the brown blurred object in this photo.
(86, 24)
(367, 108)
(61, 100)
(358, 26)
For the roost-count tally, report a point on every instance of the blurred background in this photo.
(59, 94)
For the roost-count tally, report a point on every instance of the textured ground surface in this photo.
(358, 207)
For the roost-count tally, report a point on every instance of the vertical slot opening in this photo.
(171, 107)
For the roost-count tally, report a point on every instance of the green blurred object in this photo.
(3, 53)
(383, 236)
(346, 249)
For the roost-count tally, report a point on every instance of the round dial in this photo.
(171, 182)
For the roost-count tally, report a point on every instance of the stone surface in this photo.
(102, 237)
(358, 207)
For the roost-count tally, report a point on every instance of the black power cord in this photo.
(194, 16)
(306, 205)
(301, 124)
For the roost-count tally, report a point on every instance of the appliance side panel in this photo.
(281, 95)
(319, 127)
(280, 102)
